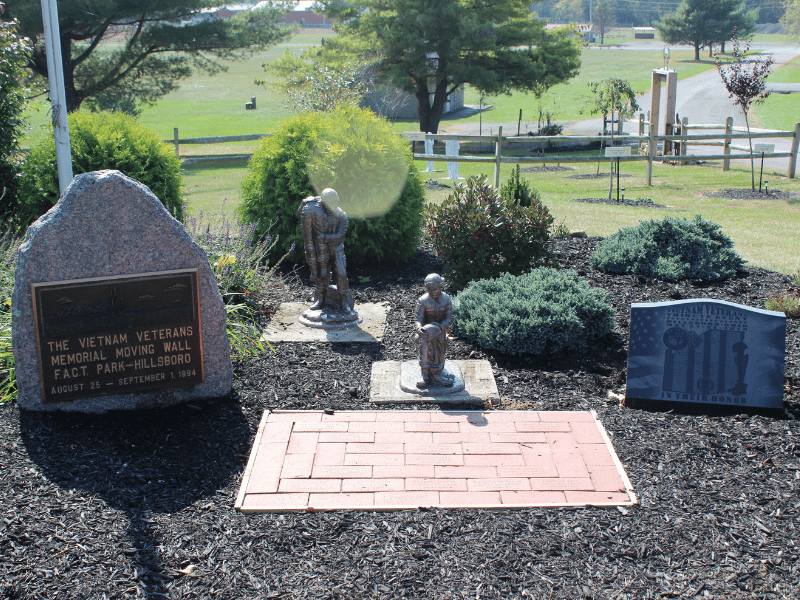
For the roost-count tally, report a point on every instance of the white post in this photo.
(55, 73)
(451, 148)
(429, 150)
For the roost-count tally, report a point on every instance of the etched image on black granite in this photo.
(702, 349)
(713, 362)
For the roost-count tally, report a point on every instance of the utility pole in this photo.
(58, 102)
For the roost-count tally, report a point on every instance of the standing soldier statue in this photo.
(324, 225)
(434, 316)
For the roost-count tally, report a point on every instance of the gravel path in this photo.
(140, 505)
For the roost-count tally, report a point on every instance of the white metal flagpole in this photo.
(58, 102)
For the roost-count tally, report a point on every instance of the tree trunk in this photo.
(697, 51)
(430, 114)
(752, 163)
(73, 97)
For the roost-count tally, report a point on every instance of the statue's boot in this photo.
(439, 378)
(347, 303)
(426, 378)
(319, 300)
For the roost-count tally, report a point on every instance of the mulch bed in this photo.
(596, 176)
(645, 202)
(748, 194)
(140, 505)
(545, 169)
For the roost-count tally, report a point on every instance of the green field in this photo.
(765, 232)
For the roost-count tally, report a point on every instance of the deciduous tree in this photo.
(614, 96)
(745, 80)
(791, 18)
(157, 43)
(702, 23)
(431, 47)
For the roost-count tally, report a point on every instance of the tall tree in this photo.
(604, 16)
(13, 55)
(431, 47)
(703, 23)
(157, 43)
(791, 18)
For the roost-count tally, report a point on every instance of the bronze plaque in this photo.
(117, 335)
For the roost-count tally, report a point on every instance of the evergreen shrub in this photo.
(101, 141)
(354, 152)
(518, 190)
(546, 310)
(478, 234)
(671, 249)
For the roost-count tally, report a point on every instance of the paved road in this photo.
(704, 99)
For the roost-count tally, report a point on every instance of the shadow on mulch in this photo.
(141, 464)
(745, 194)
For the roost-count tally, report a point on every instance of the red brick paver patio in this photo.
(391, 460)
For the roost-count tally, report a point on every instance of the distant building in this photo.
(644, 33)
(306, 17)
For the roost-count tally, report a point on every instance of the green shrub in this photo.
(518, 190)
(246, 280)
(477, 234)
(8, 379)
(546, 310)
(354, 152)
(788, 304)
(671, 249)
(101, 141)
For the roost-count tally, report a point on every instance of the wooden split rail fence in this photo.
(648, 145)
(674, 147)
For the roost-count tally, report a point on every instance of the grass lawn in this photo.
(566, 101)
(764, 231)
(780, 111)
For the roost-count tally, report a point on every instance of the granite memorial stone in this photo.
(707, 352)
(114, 306)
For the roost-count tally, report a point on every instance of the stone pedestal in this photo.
(410, 374)
(479, 386)
(331, 316)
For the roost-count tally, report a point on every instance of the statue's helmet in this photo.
(434, 279)
(330, 197)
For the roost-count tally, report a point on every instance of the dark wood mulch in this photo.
(140, 505)
(646, 202)
(432, 184)
(596, 176)
(748, 194)
(545, 169)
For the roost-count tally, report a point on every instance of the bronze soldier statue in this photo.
(324, 225)
(434, 316)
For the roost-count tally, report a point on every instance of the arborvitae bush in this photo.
(101, 141)
(671, 249)
(546, 310)
(478, 234)
(354, 152)
(518, 190)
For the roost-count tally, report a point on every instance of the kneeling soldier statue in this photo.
(434, 316)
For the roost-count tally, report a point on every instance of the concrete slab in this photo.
(286, 327)
(376, 460)
(479, 385)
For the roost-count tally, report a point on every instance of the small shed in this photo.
(644, 33)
